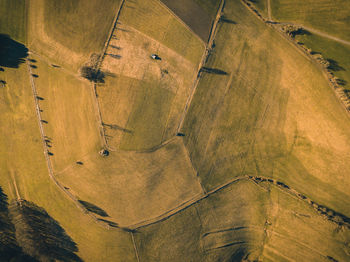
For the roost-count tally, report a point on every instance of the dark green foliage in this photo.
(92, 74)
(40, 235)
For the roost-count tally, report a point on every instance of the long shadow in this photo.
(93, 208)
(9, 248)
(226, 20)
(213, 71)
(12, 53)
(92, 74)
(334, 66)
(41, 236)
(116, 127)
(300, 31)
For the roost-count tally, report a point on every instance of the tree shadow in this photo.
(93, 208)
(9, 248)
(341, 82)
(300, 31)
(116, 127)
(226, 20)
(12, 53)
(41, 236)
(334, 66)
(213, 71)
(92, 74)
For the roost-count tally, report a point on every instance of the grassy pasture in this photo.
(337, 52)
(330, 16)
(229, 226)
(22, 160)
(67, 105)
(68, 32)
(193, 15)
(145, 98)
(296, 231)
(154, 20)
(13, 19)
(131, 187)
(273, 115)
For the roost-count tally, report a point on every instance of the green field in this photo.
(329, 16)
(13, 19)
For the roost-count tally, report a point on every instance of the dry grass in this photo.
(278, 117)
(330, 16)
(68, 33)
(132, 187)
(22, 160)
(145, 97)
(67, 107)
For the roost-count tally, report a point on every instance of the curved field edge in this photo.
(23, 165)
(273, 114)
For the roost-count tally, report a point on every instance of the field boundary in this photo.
(327, 213)
(181, 21)
(202, 62)
(47, 157)
(344, 101)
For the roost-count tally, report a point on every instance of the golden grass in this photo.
(68, 33)
(67, 106)
(330, 16)
(22, 160)
(132, 187)
(278, 117)
(155, 20)
(144, 98)
(13, 19)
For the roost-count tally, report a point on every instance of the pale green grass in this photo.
(330, 49)
(68, 107)
(330, 16)
(13, 19)
(154, 20)
(277, 118)
(21, 156)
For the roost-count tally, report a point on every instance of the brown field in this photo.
(193, 15)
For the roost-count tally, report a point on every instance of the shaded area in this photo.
(93, 208)
(9, 248)
(213, 71)
(334, 66)
(40, 235)
(92, 74)
(12, 53)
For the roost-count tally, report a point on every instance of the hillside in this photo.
(230, 144)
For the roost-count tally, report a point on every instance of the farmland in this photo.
(173, 148)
